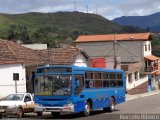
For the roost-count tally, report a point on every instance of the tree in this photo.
(156, 45)
(40, 35)
(18, 32)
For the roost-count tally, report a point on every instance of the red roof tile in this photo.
(151, 57)
(111, 37)
(11, 52)
(60, 56)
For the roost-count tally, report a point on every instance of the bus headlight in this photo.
(38, 108)
(38, 105)
(68, 107)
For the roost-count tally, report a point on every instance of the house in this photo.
(64, 56)
(134, 51)
(18, 64)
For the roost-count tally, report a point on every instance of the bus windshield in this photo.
(53, 85)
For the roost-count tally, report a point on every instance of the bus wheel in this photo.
(87, 109)
(112, 105)
(55, 114)
(39, 114)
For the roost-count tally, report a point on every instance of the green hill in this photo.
(53, 28)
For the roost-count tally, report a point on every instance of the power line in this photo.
(131, 44)
(113, 48)
(127, 50)
(106, 56)
(95, 45)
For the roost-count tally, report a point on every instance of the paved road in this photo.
(149, 104)
(146, 105)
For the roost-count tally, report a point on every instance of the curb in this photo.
(141, 96)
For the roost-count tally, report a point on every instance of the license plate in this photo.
(2, 110)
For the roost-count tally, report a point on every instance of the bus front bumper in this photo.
(66, 108)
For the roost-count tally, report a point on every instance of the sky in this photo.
(110, 9)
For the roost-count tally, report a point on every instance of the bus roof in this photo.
(81, 68)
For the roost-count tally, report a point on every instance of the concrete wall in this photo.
(135, 83)
(148, 52)
(128, 51)
(7, 84)
(36, 46)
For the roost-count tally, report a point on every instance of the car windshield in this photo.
(53, 85)
(14, 97)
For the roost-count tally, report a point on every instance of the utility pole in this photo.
(114, 47)
(49, 58)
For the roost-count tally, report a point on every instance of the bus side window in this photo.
(113, 83)
(87, 84)
(105, 83)
(119, 80)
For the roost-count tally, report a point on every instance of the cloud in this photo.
(21, 6)
(139, 7)
(116, 8)
(107, 8)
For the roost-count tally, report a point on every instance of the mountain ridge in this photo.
(54, 28)
(151, 22)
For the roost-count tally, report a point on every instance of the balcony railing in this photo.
(151, 68)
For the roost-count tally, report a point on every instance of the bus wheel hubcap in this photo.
(112, 105)
(87, 109)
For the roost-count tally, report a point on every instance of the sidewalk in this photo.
(131, 97)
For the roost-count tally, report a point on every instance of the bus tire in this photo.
(112, 105)
(87, 110)
(55, 114)
(39, 114)
(105, 109)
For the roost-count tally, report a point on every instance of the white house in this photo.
(13, 78)
(15, 63)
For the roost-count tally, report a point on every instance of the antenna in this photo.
(74, 5)
(87, 8)
(96, 10)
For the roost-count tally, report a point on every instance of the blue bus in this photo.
(75, 89)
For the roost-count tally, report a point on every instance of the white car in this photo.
(17, 104)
